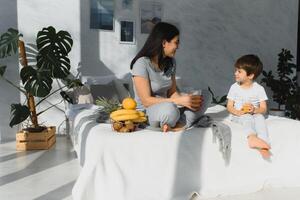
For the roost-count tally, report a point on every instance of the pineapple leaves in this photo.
(109, 105)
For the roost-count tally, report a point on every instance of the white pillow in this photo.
(82, 95)
(119, 81)
(108, 91)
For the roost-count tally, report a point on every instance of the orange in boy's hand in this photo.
(246, 107)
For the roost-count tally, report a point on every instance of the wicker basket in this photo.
(123, 126)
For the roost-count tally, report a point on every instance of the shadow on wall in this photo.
(8, 18)
(91, 64)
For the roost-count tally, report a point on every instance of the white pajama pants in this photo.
(253, 124)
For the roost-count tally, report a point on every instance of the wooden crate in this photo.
(33, 141)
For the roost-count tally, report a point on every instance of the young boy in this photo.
(247, 103)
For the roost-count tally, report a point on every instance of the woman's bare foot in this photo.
(165, 128)
(255, 142)
(178, 127)
(265, 153)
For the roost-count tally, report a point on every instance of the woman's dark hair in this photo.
(153, 45)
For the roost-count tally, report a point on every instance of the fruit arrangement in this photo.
(128, 118)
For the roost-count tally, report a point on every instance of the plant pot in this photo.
(276, 112)
(26, 140)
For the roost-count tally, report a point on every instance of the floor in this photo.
(51, 175)
(267, 194)
(38, 174)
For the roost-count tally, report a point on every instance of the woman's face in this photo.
(171, 47)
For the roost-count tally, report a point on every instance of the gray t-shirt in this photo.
(160, 81)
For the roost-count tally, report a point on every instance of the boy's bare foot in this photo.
(265, 153)
(255, 142)
(165, 128)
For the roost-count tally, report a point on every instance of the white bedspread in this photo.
(148, 165)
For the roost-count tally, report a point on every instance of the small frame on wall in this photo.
(127, 4)
(102, 14)
(127, 31)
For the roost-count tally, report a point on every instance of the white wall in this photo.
(214, 33)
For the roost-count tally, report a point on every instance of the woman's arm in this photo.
(190, 101)
(142, 87)
(232, 110)
(143, 90)
(173, 93)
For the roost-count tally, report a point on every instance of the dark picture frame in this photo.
(127, 31)
(127, 4)
(102, 14)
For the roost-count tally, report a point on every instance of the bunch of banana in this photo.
(125, 115)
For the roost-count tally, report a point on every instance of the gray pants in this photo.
(253, 124)
(168, 113)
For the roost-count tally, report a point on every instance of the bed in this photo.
(150, 165)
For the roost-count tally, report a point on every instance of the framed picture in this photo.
(102, 15)
(151, 14)
(127, 4)
(127, 32)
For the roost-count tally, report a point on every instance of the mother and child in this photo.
(153, 73)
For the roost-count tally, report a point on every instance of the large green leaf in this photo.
(57, 64)
(9, 42)
(2, 70)
(48, 40)
(37, 82)
(26, 73)
(19, 113)
(53, 51)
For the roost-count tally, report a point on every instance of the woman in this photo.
(153, 73)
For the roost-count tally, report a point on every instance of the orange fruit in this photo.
(129, 103)
(246, 107)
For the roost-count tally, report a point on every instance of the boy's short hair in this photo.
(251, 64)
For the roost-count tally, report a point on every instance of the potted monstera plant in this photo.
(283, 85)
(52, 63)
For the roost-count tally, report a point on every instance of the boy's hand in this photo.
(251, 109)
(239, 112)
(248, 108)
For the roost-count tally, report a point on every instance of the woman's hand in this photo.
(190, 101)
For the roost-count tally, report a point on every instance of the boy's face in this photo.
(241, 76)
